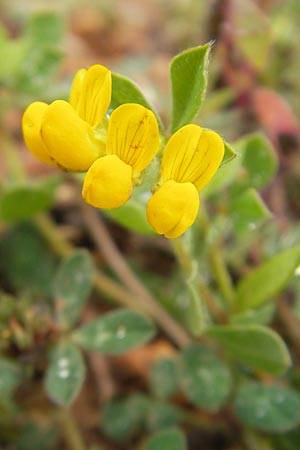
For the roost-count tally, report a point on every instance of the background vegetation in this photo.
(114, 338)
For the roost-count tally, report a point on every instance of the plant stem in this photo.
(182, 256)
(222, 276)
(69, 430)
(63, 248)
(186, 264)
(118, 264)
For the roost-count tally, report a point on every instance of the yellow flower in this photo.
(65, 133)
(191, 158)
(132, 142)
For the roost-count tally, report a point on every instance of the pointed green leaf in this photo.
(126, 91)
(115, 332)
(189, 80)
(170, 439)
(65, 374)
(206, 379)
(72, 285)
(255, 345)
(268, 408)
(267, 280)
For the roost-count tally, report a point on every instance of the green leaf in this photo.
(267, 280)
(122, 418)
(126, 91)
(268, 408)
(10, 375)
(18, 203)
(229, 154)
(46, 27)
(132, 216)
(206, 379)
(259, 162)
(189, 80)
(164, 377)
(248, 211)
(65, 374)
(258, 316)
(161, 414)
(115, 332)
(13, 52)
(72, 286)
(255, 345)
(20, 249)
(170, 439)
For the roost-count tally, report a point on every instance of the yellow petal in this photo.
(133, 135)
(31, 125)
(192, 155)
(91, 93)
(173, 208)
(108, 183)
(68, 138)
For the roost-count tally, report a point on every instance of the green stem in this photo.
(222, 276)
(182, 256)
(70, 430)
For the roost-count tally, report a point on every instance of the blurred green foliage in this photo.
(239, 264)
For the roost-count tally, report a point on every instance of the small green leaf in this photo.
(259, 162)
(20, 250)
(206, 379)
(65, 374)
(267, 280)
(72, 285)
(248, 211)
(255, 345)
(46, 27)
(189, 80)
(268, 408)
(170, 439)
(122, 418)
(164, 377)
(22, 202)
(10, 375)
(229, 154)
(126, 91)
(115, 332)
(161, 414)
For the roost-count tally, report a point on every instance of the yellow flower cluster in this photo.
(76, 136)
